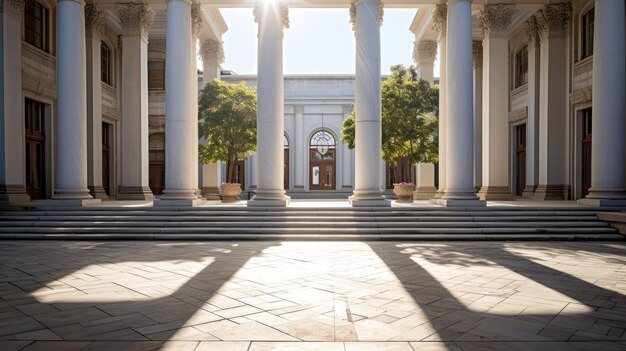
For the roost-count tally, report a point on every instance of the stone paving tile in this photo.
(264, 295)
(300, 346)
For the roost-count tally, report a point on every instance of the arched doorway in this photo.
(157, 163)
(286, 166)
(322, 161)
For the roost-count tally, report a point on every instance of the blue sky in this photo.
(318, 41)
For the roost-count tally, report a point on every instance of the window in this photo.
(105, 63)
(36, 24)
(521, 67)
(587, 34)
(156, 75)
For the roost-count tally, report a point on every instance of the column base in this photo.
(97, 192)
(495, 193)
(13, 194)
(551, 192)
(269, 199)
(56, 202)
(529, 192)
(165, 202)
(425, 193)
(604, 198)
(211, 193)
(364, 198)
(602, 202)
(134, 193)
(460, 202)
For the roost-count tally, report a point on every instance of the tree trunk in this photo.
(230, 172)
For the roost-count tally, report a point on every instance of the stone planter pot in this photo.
(404, 192)
(230, 192)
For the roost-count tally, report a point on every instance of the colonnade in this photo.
(454, 21)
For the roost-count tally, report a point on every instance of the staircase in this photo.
(242, 223)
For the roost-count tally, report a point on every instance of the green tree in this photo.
(409, 123)
(227, 120)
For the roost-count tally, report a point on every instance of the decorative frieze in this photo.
(581, 96)
(496, 19)
(532, 29)
(518, 115)
(440, 18)
(14, 7)
(381, 13)
(424, 52)
(136, 19)
(95, 19)
(212, 50)
(477, 54)
(284, 12)
(196, 21)
(554, 19)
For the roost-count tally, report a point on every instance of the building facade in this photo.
(99, 102)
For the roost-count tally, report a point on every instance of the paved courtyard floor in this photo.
(62, 295)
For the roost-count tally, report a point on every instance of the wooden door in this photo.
(35, 143)
(586, 152)
(322, 170)
(156, 172)
(520, 160)
(286, 170)
(106, 174)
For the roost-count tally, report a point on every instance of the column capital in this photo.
(424, 52)
(196, 21)
(554, 19)
(283, 7)
(136, 19)
(95, 19)
(533, 30)
(477, 54)
(440, 19)
(212, 50)
(495, 20)
(353, 5)
(14, 7)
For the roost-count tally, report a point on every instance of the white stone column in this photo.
(196, 27)
(477, 53)
(272, 17)
(181, 162)
(299, 148)
(136, 20)
(12, 177)
(532, 123)
(71, 150)
(94, 25)
(212, 53)
(424, 54)
(366, 18)
(348, 163)
(460, 126)
(607, 151)
(554, 21)
(495, 21)
(440, 18)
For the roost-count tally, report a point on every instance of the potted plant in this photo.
(230, 192)
(404, 191)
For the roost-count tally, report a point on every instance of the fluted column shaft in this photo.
(271, 17)
(459, 125)
(368, 132)
(181, 163)
(607, 152)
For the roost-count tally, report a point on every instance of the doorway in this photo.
(106, 160)
(323, 161)
(520, 159)
(286, 163)
(156, 171)
(35, 139)
(586, 152)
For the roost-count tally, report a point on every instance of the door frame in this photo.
(322, 164)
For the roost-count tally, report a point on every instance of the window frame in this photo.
(31, 29)
(587, 21)
(106, 70)
(151, 82)
(521, 79)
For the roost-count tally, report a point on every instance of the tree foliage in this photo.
(227, 120)
(409, 125)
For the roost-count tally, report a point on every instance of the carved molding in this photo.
(95, 19)
(136, 19)
(519, 114)
(284, 12)
(298, 109)
(477, 53)
(196, 21)
(580, 96)
(532, 29)
(381, 12)
(212, 50)
(496, 19)
(424, 52)
(14, 7)
(440, 18)
(554, 19)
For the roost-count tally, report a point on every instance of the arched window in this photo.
(521, 67)
(285, 142)
(36, 25)
(323, 142)
(586, 25)
(105, 63)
